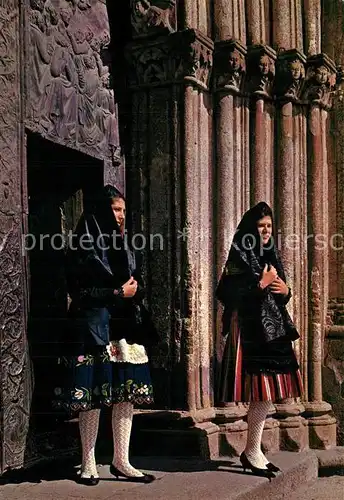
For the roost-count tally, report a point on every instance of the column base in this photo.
(176, 433)
(211, 432)
(322, 425)
(293, 427)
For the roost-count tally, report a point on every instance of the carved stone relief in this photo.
(182, 56)
(230, 66)
(71, 99)
(320, 81)
(157, 16)
(290, 75)
(261, 70)
(15, 387)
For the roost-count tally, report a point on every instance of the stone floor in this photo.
(177, 479)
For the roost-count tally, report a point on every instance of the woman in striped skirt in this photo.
(259, 364)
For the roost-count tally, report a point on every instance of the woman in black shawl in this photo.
(107, 363)
(259, 365)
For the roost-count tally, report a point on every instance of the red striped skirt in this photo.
(240, 386)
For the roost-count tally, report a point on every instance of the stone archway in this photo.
(56, 83)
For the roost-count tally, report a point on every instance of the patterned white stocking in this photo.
(122, 418)
(256, 417)
(88, 425)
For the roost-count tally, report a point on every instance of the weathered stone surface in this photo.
(15, 386)
(184, 56)
(290, 75)
(70, 98)
(294, 434)
(153, 17)
(230, 66)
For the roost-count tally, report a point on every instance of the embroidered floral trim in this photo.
(85, 360)
(104, 395)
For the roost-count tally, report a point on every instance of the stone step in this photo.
(178, 479)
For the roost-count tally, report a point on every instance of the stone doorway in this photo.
(59, 181)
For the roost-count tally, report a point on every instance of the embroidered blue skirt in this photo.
(93, 380)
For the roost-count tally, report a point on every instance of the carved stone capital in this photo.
(320, 81)
(193, 54)
(182, 56)
(290, 75)
(261, 70)
(229, 66)
(153, 17)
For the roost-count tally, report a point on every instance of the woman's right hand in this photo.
(268, 276)
(129, 288)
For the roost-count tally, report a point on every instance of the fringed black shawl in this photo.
(262, 315)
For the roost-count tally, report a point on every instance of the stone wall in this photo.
(231, 104)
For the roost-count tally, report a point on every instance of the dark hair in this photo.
(99, 205)
(111, 192)
(248, 223)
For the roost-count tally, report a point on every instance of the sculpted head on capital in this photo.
(296, 70)
(235, 60)
(264, 65)
(322, 74)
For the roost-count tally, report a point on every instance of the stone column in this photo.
(258, 22)
(171, 169)
(261, 73)
(232, 169)
(230, 20)
(291, 220)
(320, 83)
(15, 387)
(291, 172)
(287, 24)
(312, 29)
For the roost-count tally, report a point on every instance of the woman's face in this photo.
(118, 208)
(264, 226)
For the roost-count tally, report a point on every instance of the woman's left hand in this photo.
(278, 286)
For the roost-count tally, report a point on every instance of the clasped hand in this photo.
(271, 279)
(129, 288)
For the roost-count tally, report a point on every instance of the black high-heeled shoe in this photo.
(88, 481)
(256, 470)
(146, 478)
(272, 467)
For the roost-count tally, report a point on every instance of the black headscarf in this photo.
(247, 248)
(104, 260)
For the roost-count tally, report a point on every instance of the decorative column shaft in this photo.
(312, 30)
(230, 20)
(170, 79)
(291, 173)
(15, 386)
(258, 22)
(320, 83)
(321, 76)
(287, 24)
(291, 220)
(261, 73)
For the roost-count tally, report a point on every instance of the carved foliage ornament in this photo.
(183, 56)
(15, 392)
(194, 63)
(153, 16)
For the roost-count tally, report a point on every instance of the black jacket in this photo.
(94, 271)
